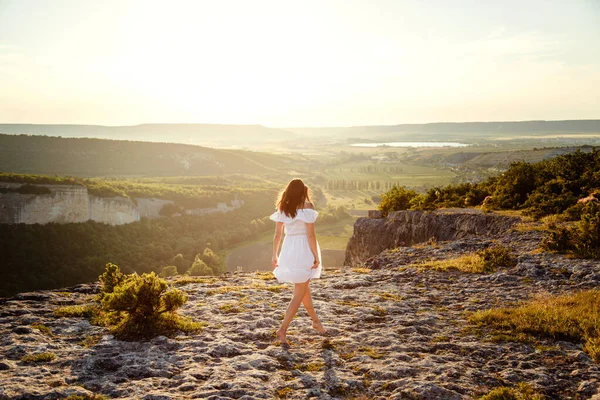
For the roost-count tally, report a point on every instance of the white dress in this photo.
(296, 258)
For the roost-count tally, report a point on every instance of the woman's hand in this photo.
(316, 264)
(274, 262)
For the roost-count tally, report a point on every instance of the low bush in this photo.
(581, 239)
(144, 306)
(497, 257)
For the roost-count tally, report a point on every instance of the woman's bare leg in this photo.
(310, 309)
(299, 291)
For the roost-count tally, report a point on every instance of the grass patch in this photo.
(232, 308)
(38, 358)
(42, 328)
(371, 352)
(573, 317)
(349, 303)
(379, 311)
(361, 270)
(484, 261)
(283, 393)
(310, 367)
(83, 311)
(230, 289)
(188, 279)
(328, 345)
(440, 339)
(90, 341)
(523, 391)
(265, 276)
(390, 296)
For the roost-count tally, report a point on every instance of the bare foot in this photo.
(282, 337)
(319, 327)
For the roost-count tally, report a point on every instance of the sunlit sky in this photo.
(298, 63)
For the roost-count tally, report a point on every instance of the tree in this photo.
(199, 268)
(397, 198)
(170, 270)
(178, 262)
(211, 259)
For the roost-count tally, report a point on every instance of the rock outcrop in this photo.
(372, 235)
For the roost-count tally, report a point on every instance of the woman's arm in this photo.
(276, 241)
(312, 242)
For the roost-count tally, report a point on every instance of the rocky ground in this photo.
(396, 333)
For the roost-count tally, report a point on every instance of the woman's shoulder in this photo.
(307, 214)
(308, 205)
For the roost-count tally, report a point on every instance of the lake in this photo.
(411, 144)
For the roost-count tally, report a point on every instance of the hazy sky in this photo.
(298, 63)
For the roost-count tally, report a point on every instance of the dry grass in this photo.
(361, 270)
(573, 317)
(38, 358)
(349, 303)
(471, 263)
(90, 341)
(259, 286)
(387, 296)
(188, 279)
(265, 276)
(483, 261)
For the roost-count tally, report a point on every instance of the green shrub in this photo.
(496, 257)
(144, 306)
(168, 271)
(582, 239)
(396, 199)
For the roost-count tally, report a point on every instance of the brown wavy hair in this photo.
(293, 197)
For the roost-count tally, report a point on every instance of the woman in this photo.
(300, 258)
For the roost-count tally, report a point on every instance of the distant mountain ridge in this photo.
(503, 127)
(206, 134)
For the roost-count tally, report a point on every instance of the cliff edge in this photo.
(374, 234)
